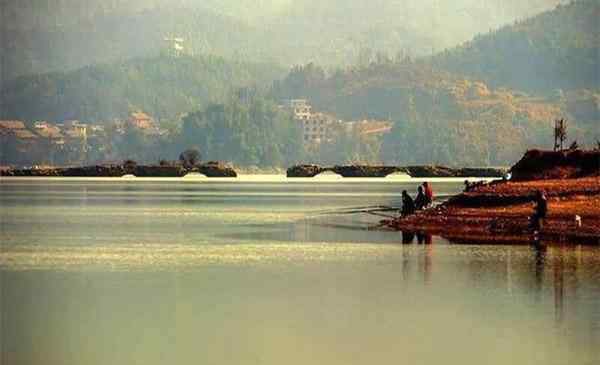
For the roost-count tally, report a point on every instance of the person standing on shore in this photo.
(541, 210)
(428, 194)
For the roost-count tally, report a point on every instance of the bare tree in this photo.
(560, 134)
(190, 158)
(129, 166)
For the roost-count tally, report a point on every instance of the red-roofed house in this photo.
(141, 120)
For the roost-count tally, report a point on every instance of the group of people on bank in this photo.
(423, 200)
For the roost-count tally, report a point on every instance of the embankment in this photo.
(499, 211)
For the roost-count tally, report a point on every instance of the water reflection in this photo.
(408, 237)
(540, 263)
(401, 287)
(429, 251)
(559, 285)
(426, 263)
(221, 273)
(565, 264)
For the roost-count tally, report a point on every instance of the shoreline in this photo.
(209, 169)
(219, 169)
(499, 213)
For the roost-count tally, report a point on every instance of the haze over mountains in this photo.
(555, 49)
(48, 35)
(478, 103)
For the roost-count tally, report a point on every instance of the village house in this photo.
(51, 142)
(7, 127)
(141, 120)
(76, 141)
(318, 128)
(50, 132)
(97, 140)
(75, 129)
(300, 108)
(17, 141)
(96, 129)
(16, 129)
(144, 123)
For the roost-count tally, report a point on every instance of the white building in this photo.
(174, 46)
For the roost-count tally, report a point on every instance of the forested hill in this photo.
(164, 86)
(68, 44)
(59, 35)
(442, 117)
(558, 49)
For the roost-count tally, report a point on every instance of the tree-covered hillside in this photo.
(479, 104)
(116, 36)
(165, 87)
(440, 117)
(559, 49)
(251, 133)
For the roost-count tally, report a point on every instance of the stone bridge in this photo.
(383, 171)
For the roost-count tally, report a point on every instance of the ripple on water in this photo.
(165, 257)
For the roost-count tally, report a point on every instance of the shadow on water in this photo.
(423, 238)
(557, 266)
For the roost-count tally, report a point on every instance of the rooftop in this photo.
(12, 124)
(49, 132)
(140, 116)
(24, 134)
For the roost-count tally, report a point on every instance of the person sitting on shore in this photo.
(421, 199)
(467, 186)
(408, 205)
(428, 194)
(541, 210)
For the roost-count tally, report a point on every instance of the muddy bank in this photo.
(499, 213)
(540, 165)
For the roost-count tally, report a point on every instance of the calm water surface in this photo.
(267, 271)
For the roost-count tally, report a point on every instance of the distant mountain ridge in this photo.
(114, 37)
(558, 49)
(37, 36)
(165, 87)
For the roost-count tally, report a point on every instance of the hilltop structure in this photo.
(174, 46)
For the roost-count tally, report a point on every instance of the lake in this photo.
(266, 270)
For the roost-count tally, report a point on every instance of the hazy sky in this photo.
(418, 26)
(449, 22)
(500, 11)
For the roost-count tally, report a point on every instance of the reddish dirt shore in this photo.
(499, 213)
